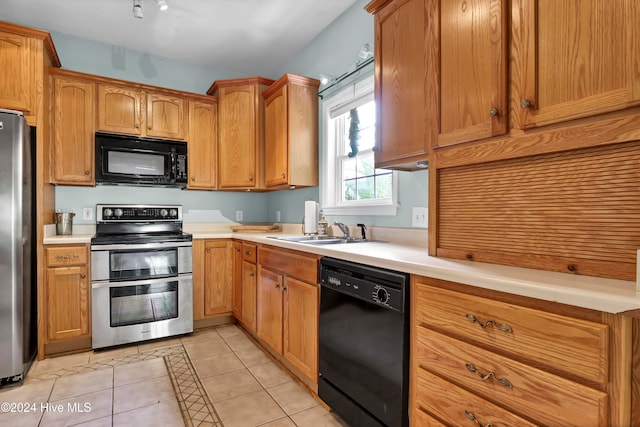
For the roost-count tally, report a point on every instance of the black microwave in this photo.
(129, 160)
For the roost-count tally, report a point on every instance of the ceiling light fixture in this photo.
(137, 9)
(162, 4)
(325, 78)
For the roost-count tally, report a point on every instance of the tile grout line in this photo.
(264, 388)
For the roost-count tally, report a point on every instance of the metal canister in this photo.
(64, 223)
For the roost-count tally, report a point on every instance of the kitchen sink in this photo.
(319, 240)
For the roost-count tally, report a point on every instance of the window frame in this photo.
(332, 178)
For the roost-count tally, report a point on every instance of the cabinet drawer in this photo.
(291, 264)
(422, 419)
(548, 398)
(249, 252)
(457, 406)
(574, 346)
(66, 255)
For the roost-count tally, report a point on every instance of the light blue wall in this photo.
(119, 62)
(334, 52)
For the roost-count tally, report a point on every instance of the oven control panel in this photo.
(135, 213)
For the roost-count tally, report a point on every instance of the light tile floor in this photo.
(210, 378)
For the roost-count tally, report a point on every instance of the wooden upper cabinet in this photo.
(25, 56)
(120, 109)
(241, 132)
(166, 116)
(131, 110)
(202, 144)
(405, 96)
(472, 45)
(572, 62)
(73, 131)
(291, 132)
(17, 66)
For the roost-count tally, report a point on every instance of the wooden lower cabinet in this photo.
(212, 287)
(480, 357)
(287, 308)
(245, 273)
(67, 298)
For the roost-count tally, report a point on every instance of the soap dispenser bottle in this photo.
(322, 225)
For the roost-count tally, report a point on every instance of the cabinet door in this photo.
(73, 131)
(574, 60)
(217, 285)
(275, 139)
(202, 145)
(237, 279)
(270, 308)
(238, 149)
(17, 69)
(473, 70)
(166, 116)
(120, 110)
(68, 303)
(300, 346)
(403, 98)
(249, 295)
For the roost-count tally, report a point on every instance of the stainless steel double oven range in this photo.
(141, 274)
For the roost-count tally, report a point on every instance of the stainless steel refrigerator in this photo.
(18, 337)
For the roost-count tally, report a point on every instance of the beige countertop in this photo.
(608, 295)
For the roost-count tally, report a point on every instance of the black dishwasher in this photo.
(363, 353)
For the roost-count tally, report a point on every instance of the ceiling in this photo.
(250, 37)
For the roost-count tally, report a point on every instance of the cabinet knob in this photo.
(251, 274)
(277, 286)
(207, 249)
(283, 174)
(193, 178)
(493, 112)
(251, 178)
(525, 103)
(87, 172)
(83, 276)
(248, 252)
(137, 125)
(149, 127)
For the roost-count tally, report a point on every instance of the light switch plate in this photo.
(420, 217)
(239, 215)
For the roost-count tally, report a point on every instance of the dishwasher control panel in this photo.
(372, 284)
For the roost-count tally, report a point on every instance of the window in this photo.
(351, 185)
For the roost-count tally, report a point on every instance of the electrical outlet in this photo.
(420, 217)
(239, 215)
(87, 214)
(278, 216)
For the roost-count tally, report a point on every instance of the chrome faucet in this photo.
(344, 228)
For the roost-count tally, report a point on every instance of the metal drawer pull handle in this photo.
(475, 420)
(505, 382)
(503, 327)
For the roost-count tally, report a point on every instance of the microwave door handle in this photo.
(172, 172)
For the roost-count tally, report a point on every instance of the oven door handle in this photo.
(107, 284)
(157, 245)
